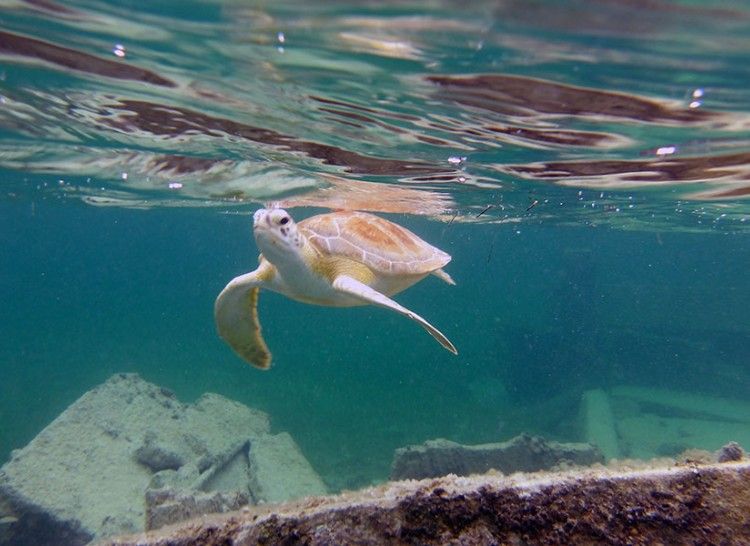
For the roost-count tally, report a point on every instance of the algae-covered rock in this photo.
(693, 504)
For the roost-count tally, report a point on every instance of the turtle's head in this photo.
(277, 235)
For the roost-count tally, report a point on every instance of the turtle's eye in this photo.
(284, 220)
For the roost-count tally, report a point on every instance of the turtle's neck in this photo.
(294, 260)
(294, 275)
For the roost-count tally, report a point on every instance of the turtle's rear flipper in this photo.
(442, 275)
(236, 316)
(361, 291)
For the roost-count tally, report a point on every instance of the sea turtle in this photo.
(338, 259)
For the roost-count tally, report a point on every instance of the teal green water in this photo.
(587, 169)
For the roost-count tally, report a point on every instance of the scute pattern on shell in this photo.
(380, 244)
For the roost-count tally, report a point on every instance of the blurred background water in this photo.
(586, 166)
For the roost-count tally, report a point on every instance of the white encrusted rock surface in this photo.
(86, 474)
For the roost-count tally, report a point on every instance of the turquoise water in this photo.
(586, 167)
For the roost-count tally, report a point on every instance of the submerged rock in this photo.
(691, 504)
(523, 453)
(599, 425)
(157, 456)
(88, 473)
(278, 470)
(167, 506)
(730, 452)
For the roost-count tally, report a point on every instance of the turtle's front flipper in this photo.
(351, 286)
(236, 316)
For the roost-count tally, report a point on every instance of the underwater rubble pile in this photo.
(128, 456)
